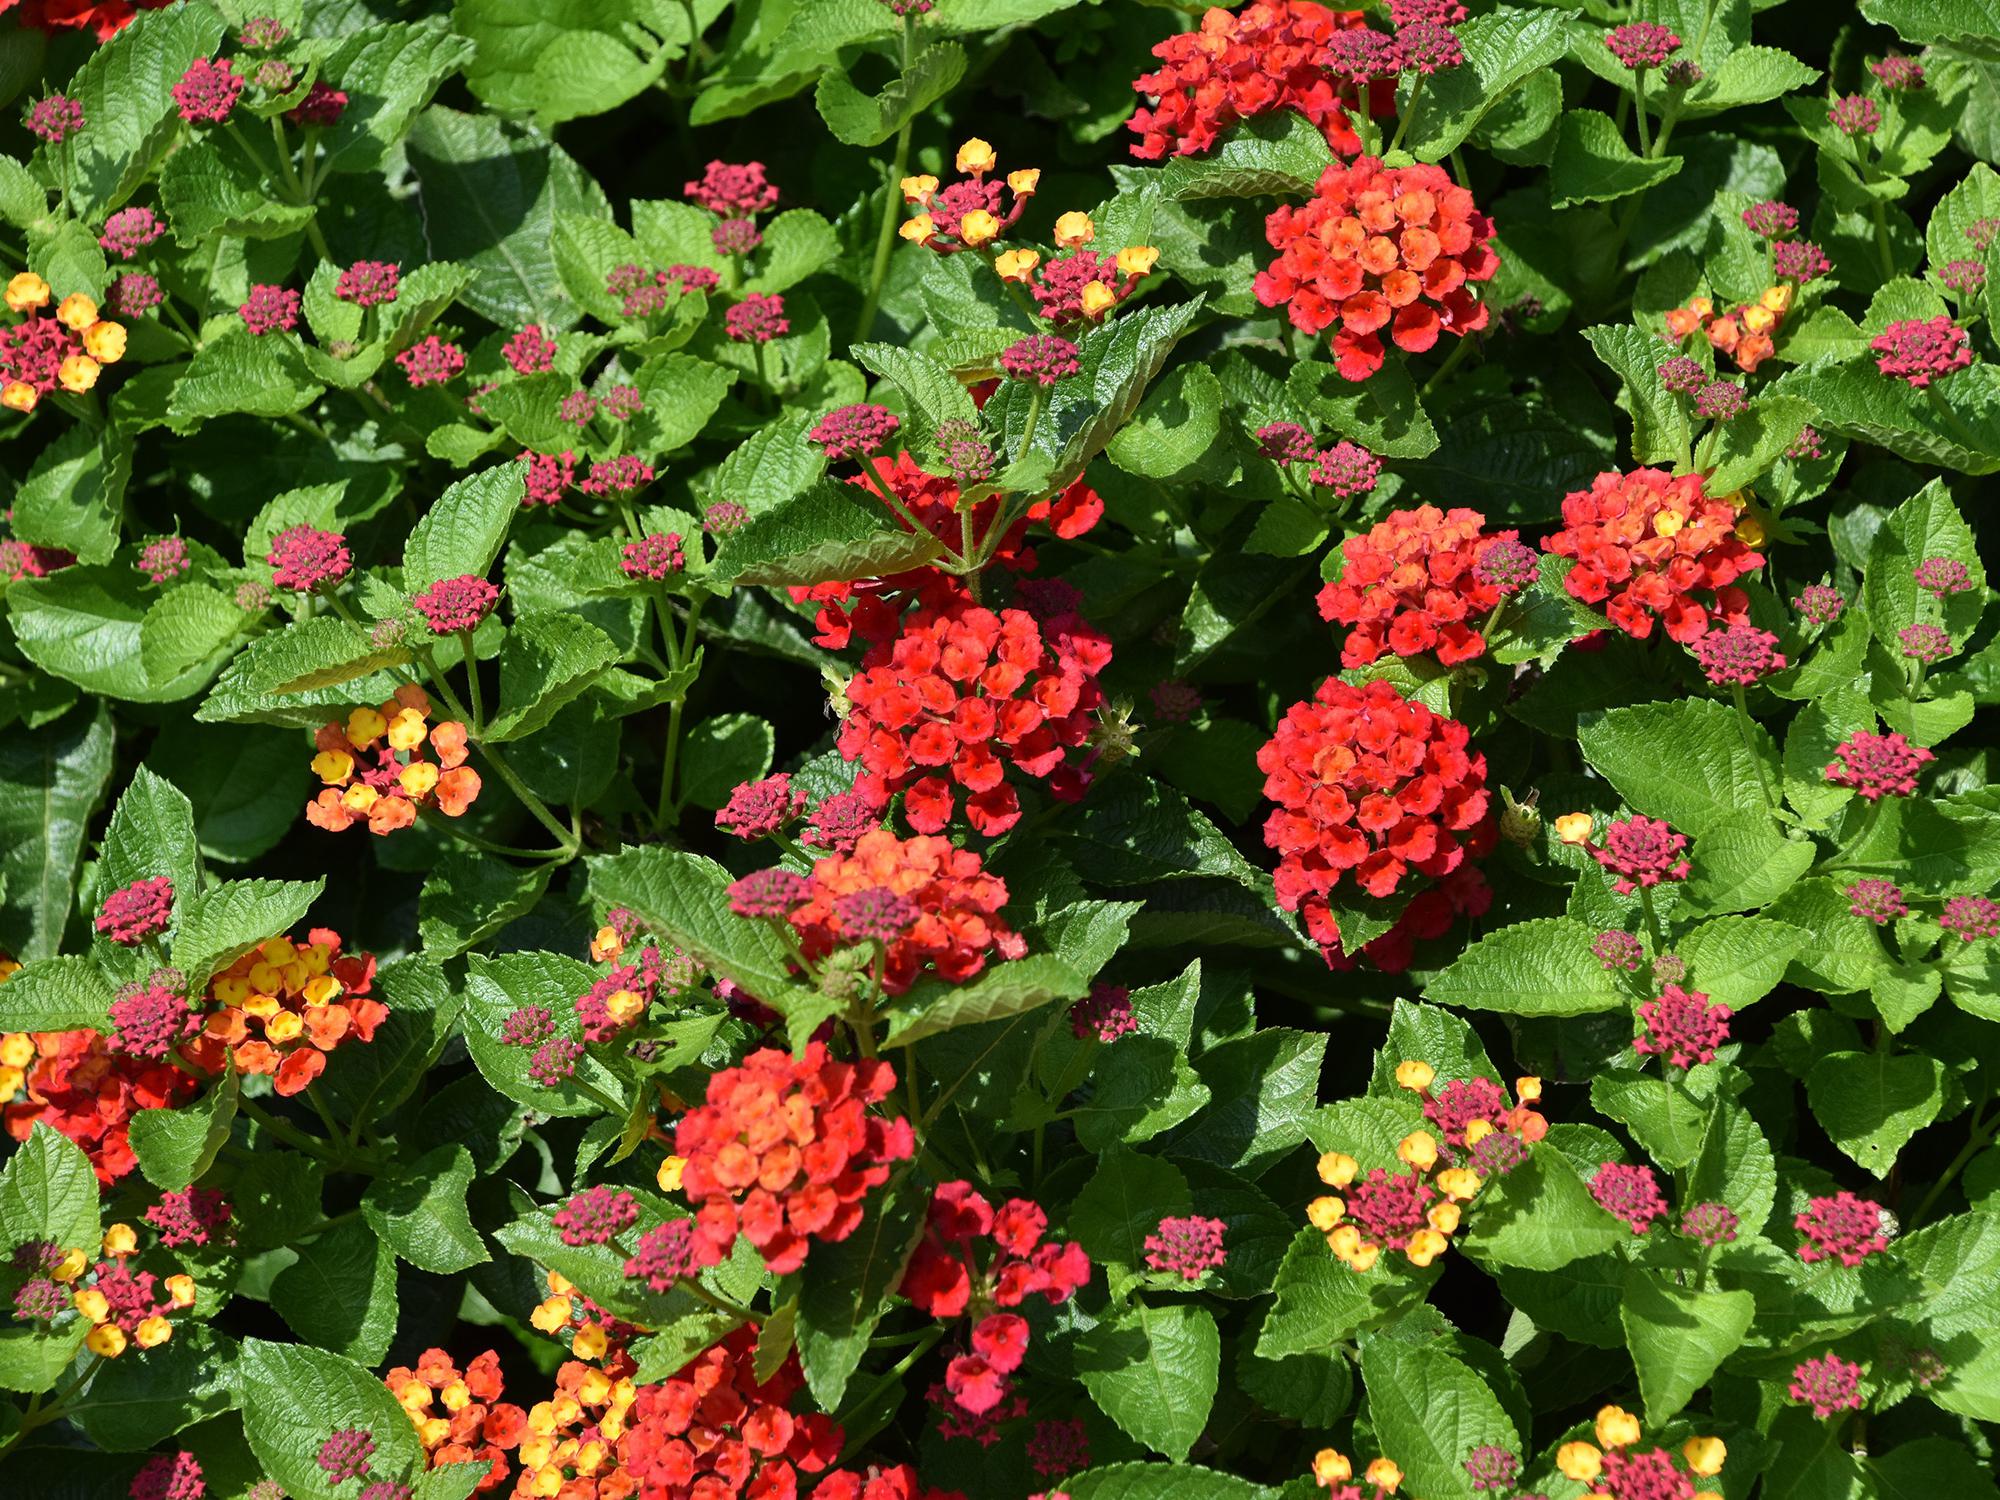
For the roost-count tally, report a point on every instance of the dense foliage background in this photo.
(747, 749)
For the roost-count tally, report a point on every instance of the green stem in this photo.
(1951, 418)
(1406, 114)
(449, 827)
(1457, 353)
(1652, 920)
(1982, 1132)
(39, 1415)
(1639, 99)
(491, 754)
(472, 681)
(885, 235)
(856, 1439)
(1743, 727)
(1035, 402)
(667, 807)
(290, 1134)
(1840, 860)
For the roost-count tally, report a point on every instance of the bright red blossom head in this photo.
(1829, 1384)
(1189, 1247)
(306, 558)
(1629, 1193)
(1739, 654)
(962, 694)
(1877, 765)
(1646, 545)
(1369, 786)
(1683, 1027)
(1918, 351)
(785, 1150)
(1376, 248)
(138, 911)
(79, 1086)
(1641, 851)
(1411, 585)
(1844, 1227)
(454, 604)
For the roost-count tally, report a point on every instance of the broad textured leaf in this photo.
(1742, 863)
(1539, 1217)
(389, 72)
(495, 988)
(1321, 1301)
(1503, 48)
(1738, 960)
(464, 529)
(226, 921)
(685, 897)
(50, 783)
(295, 1396)
(1540, 968)
(858, 119)
(565, 60)
(56, 994)
(1682, 761)
(1679, 1337)
(844, 1290)
(126, 90)
(831, 532)
(547, 661)
(1430, 1409)
(1593, 164)
(1871, 1103)
(1856, 402)
(1154, 1371)
(177, 1146)
(420, 1211)
(1660, 429)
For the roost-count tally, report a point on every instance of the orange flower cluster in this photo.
(374, 767)
(955, 918)
(1646, 544)
(77, 1085)
(125, 1307)
(1380, 247)
(284, 1006)
(971, 212)
(459, 1415)
(1412, 585)
(785, 1150)
(1235, 67)
(1417, 1209)
(1747, 333)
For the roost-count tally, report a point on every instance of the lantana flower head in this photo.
(1971, 918)
(1104, 1015)
(757, 319)
(55, 118)
(1820, 604)
(1682, 1026)
(617, 476)
(458, 1415)
(1371, 788)
(1380, 248)
(1346, 470)
(133, 295)
(67, 348)
(1897, 72)
(758, 809)
(1877, 901)
(1877, 765)
(78, 1084)
(1641, 44)
(270, 309)
(1188, 1246)
(1925, 642)
(305, 558)
(1425, 47)
(974, 211)
(1941, 577)
(1641, 852)
(1965, 277)
(731, 189)
(169, 1476)
(284, 1005)
(548, 476)
(655, 556)
(1411, 585)
(1840, 1227)
(1650, 546)
(322, 106)
(854, 431)
(1087, 284)
(135, 912)
(454, 604)
(1771, 220)
(1828, 1384)
(1855, 114)
(962, 695)
(1041, 357)
(530, 352)
(431, 362)
(163, 559)
(1710, 1224)
(785, 1151)
(1920, 350)
(191, 1216)
(1738, 654)
(367, 283)
(1629, 1193)
(374, 769)
(130, 230)
(1263, 58)
(208, 91)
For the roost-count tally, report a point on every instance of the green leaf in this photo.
(1742, 863)
(681, 394)
(126, 90)
(1841, 953)
(547, 661)
(495, 988)
(1175, 426)
(1123, 1203)
(490, 194)
(151, 834)
(1749, 75)
(1134, 1481)
(1679, 1337)
(685, 897)
(1593, 164)
(1954, 423)
(1133, 831)
(932, 395)
(1969, 26)
(858, 119)
(1321, 1302)
(721, 753)
(56, 994)
(844, 1289)
(1660, 431)
(49, 1192)
(1663, 1116)
(1539, 1217)
(1265, 1086)
(1683, 761)
(464, 529)
(389, 72)
(566, 59)
(796, 244)
(74, 495)
(1154, 1371)
(1735, 1167)
(1503, 49)
(322, 652)
(823, 535)
(1269, 155)
(1383, 413)
(419, 1209)
(468, 897)
(1926, 525)
(137, 1403)
(1540, 968)
(242, 373)
(188, 632)
(1756, 440)
(50, 782)
(1871, 1103)
(294, 1397)
(210, 187)
(1736, 961)
(176, 1147)
(1430, 1409)
(226, 921)
(1008, 989)
(90, 626)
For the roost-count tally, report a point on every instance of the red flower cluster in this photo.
(714, 1431)
(138, 911)
(1683, 1027)
(104, 18)
(1917, 351)
(76, 1084)
(1265, 58)
(1368, 785)
(963, 693)
(373, 767)
(949, 1275)
(1462, 893)
(1645, 544)
(1844, 1227)
(897, 1483)
(1877, 765)
(1412, 584)
(784, 1150)
(1628, 1193)
(475, 1422)
(1380, 247)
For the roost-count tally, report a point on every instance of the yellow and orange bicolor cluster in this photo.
(1474, 1135)
(566, 1311)
(124, 1307)
(42, 352)
(374, 768)
(1747, 334)
(1334, 1470)
(283, 1006)
(1617, 1453)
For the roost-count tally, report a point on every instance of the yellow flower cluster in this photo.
(1617, 1429)
(108, 1337)
(1331, 1468)
(88, 343)
(565, 1309)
